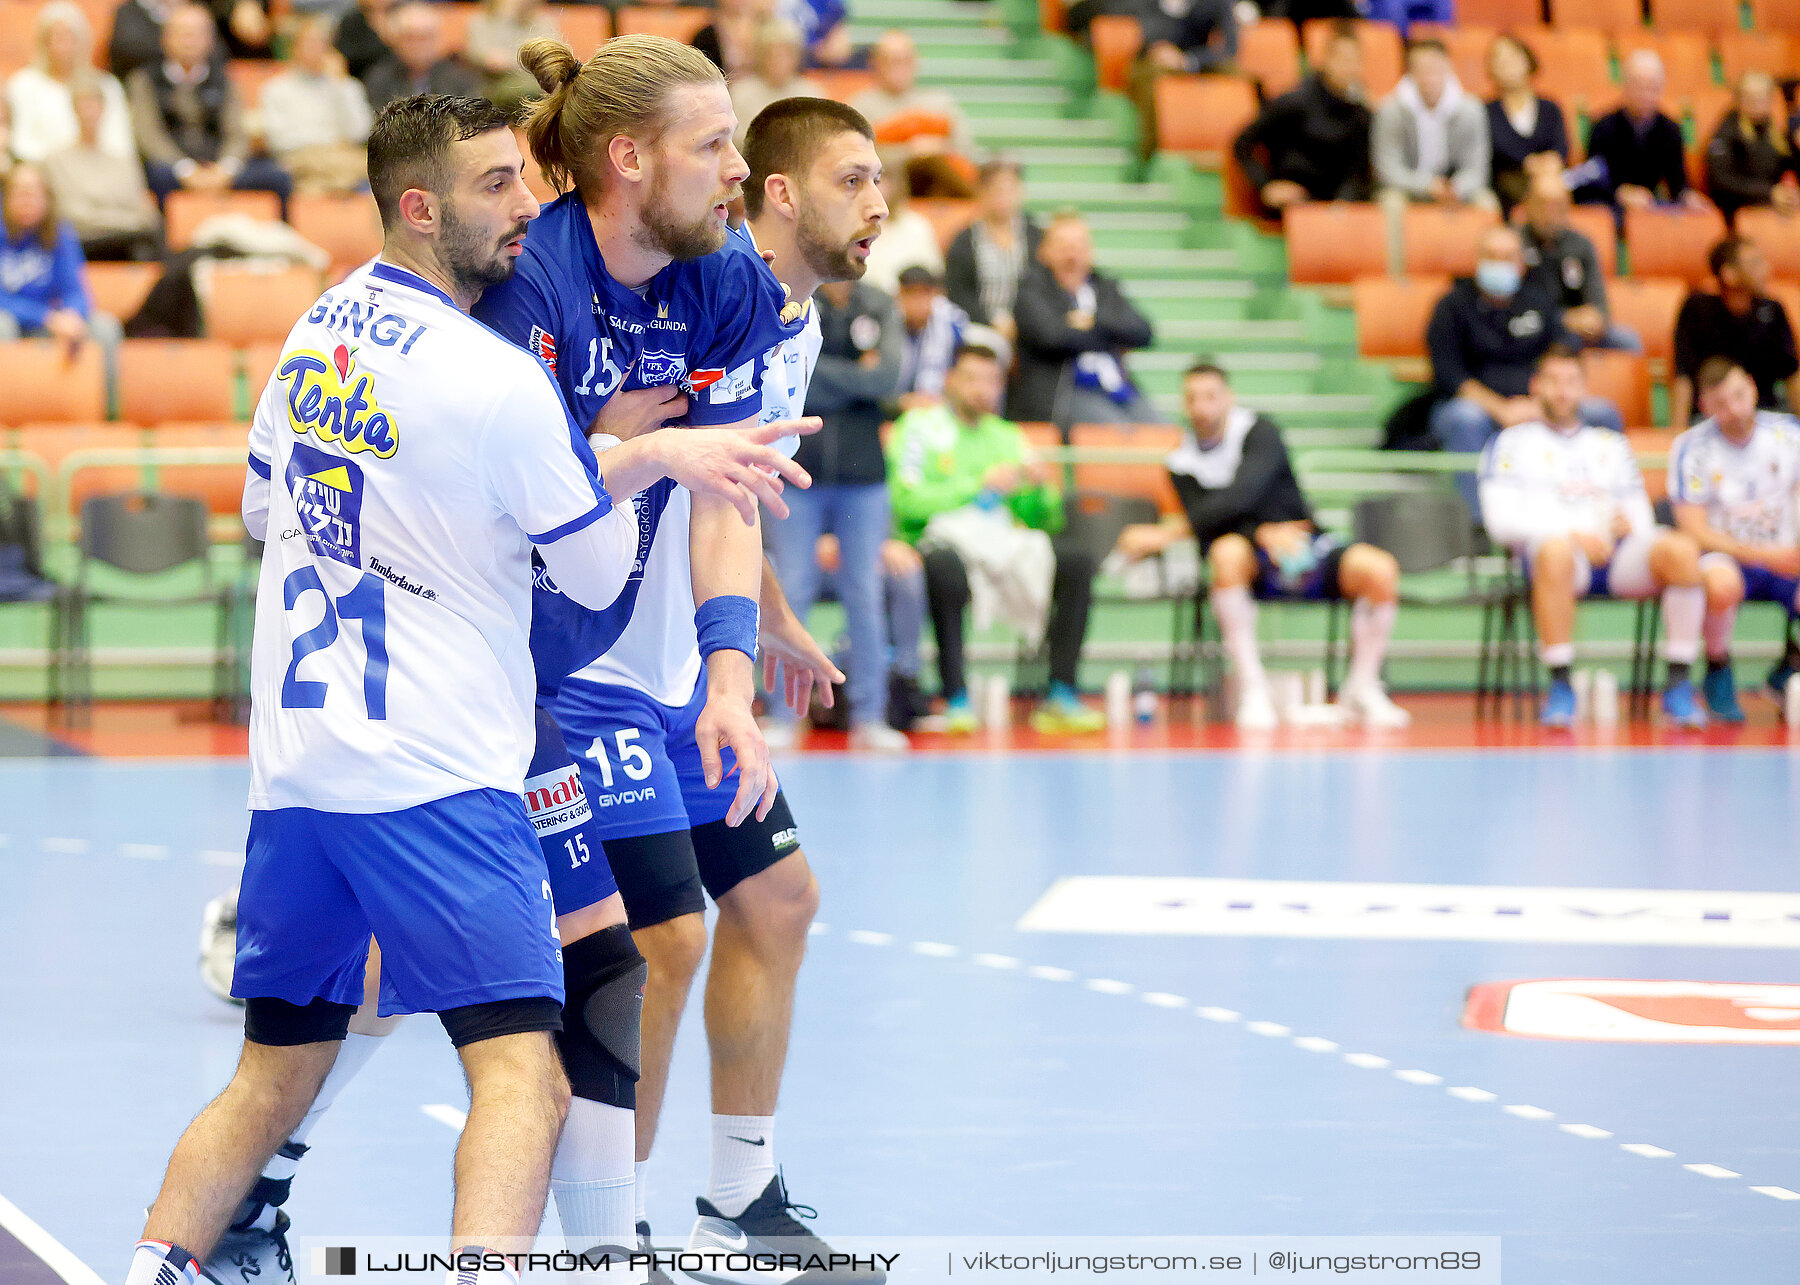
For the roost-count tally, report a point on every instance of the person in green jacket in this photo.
(960, 452)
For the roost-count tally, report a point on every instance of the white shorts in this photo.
(1626, 576)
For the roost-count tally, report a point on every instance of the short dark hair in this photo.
(1507, 38)
(918, 276)
(1726, 254)
(410, 145)
(974, 350)
(1424, 43)
(787, 134)
(1555, 352)
(1345, 29)
(1206, 366)
(1715, 371)
(991, 170)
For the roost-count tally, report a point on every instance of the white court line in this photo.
(144, 851)
(935, 949)
(53, 1252)
(863, 937)
(1585, 1130)
(446, 1114)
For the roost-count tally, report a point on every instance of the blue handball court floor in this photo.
(1548, 995)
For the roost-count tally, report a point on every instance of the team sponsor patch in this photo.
(543, 343)
(327, 491)
(555, 800)
(785, 841)
(1641, 1012)
(332, 398)
(656, 367)
(698, 379)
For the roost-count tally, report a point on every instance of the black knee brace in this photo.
(604, 976)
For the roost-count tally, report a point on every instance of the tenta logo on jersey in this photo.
(658, 367)
(327, 491)
(543, 343)
(332, 399)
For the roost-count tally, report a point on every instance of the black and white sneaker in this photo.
(250, 1256)
(769, 1229)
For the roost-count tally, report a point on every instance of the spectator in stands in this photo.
(1312, 143)
(495, 34)
(42, 96)
(362, 37)
(932, 329)
(1734, 480)
(984, 263)
(315, 115)
(904, 601)
(1181, 37)
(1635, 152)
(137, 31)
(1738, 321)
(1243, 505)
(967, 490)
(824, 31)
(7, 159)
(775, 61)
(188, 121)
(1485, 338)
(858, 367)
(1751, 158)
(101, 194)
(925, 124)
(1526, 131)
(43, 293)
(908, 239)
(1569, 499)
(422, 61)
(1075, 327)
(1565, 265)
(730, 37)
(1430, 143)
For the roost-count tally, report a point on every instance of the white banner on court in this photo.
(1414, 912)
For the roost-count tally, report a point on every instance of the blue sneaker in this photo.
(1681, 708)
(1720, 689)
(1559, 706)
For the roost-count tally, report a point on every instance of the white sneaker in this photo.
(879, 738)
(781, 733)
(1369, 705)
(218, 946)
(1256, 710)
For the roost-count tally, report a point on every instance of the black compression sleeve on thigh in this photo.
(279, 1024)
(604, 976)
(473, 1023)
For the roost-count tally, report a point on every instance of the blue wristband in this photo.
(726, 623)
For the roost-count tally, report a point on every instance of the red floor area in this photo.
(183, 729)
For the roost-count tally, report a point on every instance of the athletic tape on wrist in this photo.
(728, 622)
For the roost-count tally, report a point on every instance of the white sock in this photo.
(1718, 629)
(592, 1178)
(1371, 625)
(1684, 609)
(1556, 655)
(156, 1262)
(743, 1161)
(642, 1186)
(1236, 611)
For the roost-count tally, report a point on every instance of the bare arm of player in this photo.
(726, 553)
(735, 465)
(789, 651)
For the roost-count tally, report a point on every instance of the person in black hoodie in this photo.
(1751, 159)
(1312, 143)
(1075, 327)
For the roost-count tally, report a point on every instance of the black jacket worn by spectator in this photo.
(362, 49)
(1761, 341)
(1206, 31)
(1550, 133)
(1744, 162)
(962, 271)
(848, 395)
(1566, 268)
(1239, 482)
(1312, 137)
(1654, 159)
(1470, 337)
(389, 79)
(1048, 343)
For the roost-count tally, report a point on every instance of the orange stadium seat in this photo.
(1199, 116)
(18, 35)
(1648, 305)
(1500, 14)
(948, 217)
(1041, 437)
(184, 212)
(1468, 48)
(54, 443)
(162, 379)
(45, 384)
(1778, 235)
(1334, 242)
(1705, 108)
(259, 367)
(1269, 53)
(1742, 51)
(1595, 222)
(118, 289)
(1623, 378)
(1708, 17)
(1573, 63)
(1053, 15)
(1672, 243)
(220, 485)
(1383, 56)
(1116, 39)
(1775, 15)
(677, 22)
(249, 75)
(1614, 17)
(1239, 202)
(1392, 313)
(1686, 58)
(246, 306)
(584, 26)
(843, 83)
(346, 227)
(1441, 238)
(1146, 481)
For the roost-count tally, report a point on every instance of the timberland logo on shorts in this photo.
(555, 800)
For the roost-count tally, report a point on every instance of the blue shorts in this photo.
(454, 891)
(1319, 584)
(557, 804)
(1764, 585)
